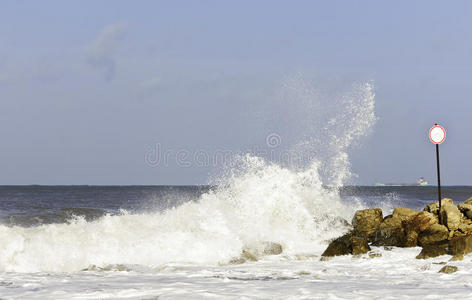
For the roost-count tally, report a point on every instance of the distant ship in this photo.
(421, 182)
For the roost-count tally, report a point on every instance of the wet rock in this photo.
(468, 201)
(340, 246)
(435, 233)
(403, 213)
(465, 228)
(347, 244)
(253, 252)
(367, 221)
(389, 233)
(415, 225)
(249, 256)
(359, 246)
(324, 258)
(271, 248)
(237, 261)
(375, 254)
(457, 257)
(451, 216)
(339, 222)
(434, 207)
(432, 250)
(466, 209)
(460, 245)
(448, 269)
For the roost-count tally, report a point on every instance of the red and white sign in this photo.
(437, 134)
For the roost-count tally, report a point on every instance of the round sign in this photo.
(437, 134)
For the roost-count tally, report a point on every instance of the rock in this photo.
(415, 225)
(347, 244)
(248, 255)
(468, 201)
(237, 261)
(340, 246)
(457, 257)
(422, 221)
(466, 209)
(448, 269)
(261, 249)
(375, 254)
(389, 233)
(404, 213)
(324, 258)
(435, 233)
(271, 248)
(465, 228)
(460, 245)
(434, 207)
(339, 222)
(367, 221)
(432, 250)
(451, 216)
(359, 245)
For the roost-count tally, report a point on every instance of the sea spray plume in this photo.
(263, 202)
(354, 120)
(259, 201)
(323, 124)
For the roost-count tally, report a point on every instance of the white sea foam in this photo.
(183, 253)
(261, 201)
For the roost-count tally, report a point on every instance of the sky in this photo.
(90, 91)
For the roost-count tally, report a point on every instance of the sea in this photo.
(178, 242)
(208, 242)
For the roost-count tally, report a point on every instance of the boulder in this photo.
(373, 254)
(460, 245)
(432, 250)
(246, 255)
(465, 228)
(448, 269)
(347, 244)
(468, 201)
(417, 224)
(389, 233)
(466, 209)
(434, 207)
(451, 216)
(340, 246)
(404, 213)
(457, 257)
(270, 248)
(367, 221)
(359, 245)
(261, 249)
(433, 234)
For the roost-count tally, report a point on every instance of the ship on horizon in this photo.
(421, 182)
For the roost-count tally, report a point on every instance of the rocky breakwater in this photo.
(406, 227)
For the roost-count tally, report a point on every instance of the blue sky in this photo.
(89, 88)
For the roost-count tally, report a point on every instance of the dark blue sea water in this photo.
(36, 205)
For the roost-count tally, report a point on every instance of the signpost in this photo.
(437, 135)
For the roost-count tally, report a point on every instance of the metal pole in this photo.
(439, 182)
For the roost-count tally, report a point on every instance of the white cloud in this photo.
(100, 53)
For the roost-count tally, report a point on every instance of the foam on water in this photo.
(261, 201)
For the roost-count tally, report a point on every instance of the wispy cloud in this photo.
(100, 53)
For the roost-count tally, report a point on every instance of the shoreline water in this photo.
(296, 272)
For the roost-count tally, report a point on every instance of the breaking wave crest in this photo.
(261, 201)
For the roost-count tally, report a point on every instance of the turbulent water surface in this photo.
(183, 242)
(144, 242)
